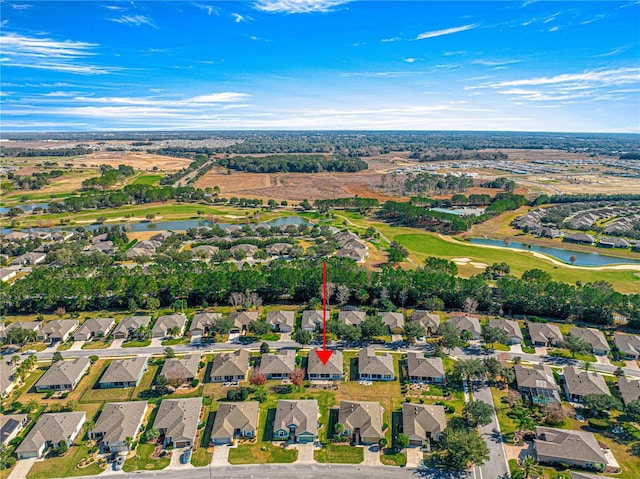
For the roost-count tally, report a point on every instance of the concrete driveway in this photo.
(516, 349)
(220, 456)
(22, 468)
(76, 346)
(175, 460)
(414, 457)
(305, 453)
(602, 360)
(116, 344)
(371, 456)
(156, 342)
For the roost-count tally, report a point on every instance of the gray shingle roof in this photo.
(592, 336)
(95, 327)
(231, 364)
(64, 372)
(512, 328)
(538, 376)
(6, 374)
(334, 365)
(628, 344)
(119, 420)
(283, 363)
(371, 363)
(281, 319)
(418, 365)
(363, 415)
(311, 319)
(179, 418)
(131, 323)
(466, 323)
(181, 369)
(165, 323)
(243, 318)
(232, 416)
(351, 318)
(58, 328)
(124, 370)
(393, 320)
(8, 424)
(566, 444)
(581, 383)
(629, 389)
(426, 319)
(203, 320)
(418, 419)
(302, 412)
(53, 427)
(544, 332)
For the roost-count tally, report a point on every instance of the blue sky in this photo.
(320, 64)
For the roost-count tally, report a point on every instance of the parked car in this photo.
(185, 457)
(118, 463)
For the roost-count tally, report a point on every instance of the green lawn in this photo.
(339, 454)
(147, 180)
(175, 341)
(202, 457)
(142, 460)
(270, 337)
(98, 344)
(65, 346)
(65, 466)
(261, 453)
(137, 344)
(398, 459)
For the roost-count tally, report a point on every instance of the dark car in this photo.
(118, 463)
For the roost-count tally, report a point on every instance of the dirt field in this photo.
(139, 160)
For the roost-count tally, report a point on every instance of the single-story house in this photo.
(296, 420)
(356, 254)
(58, 330)
(333, 370)
(579, 383)
(425, 370)
(512, 328)
(247, 249)
(544, 334)
(28, 325)
(235, 420)
(281, 321)
(575, 448)
(11, 425)
(429, 321)
(595, 338)
(362, 421)
(130, 325)
(202, 323)
(278, 366)
(629, 389)
(94, 328)
(230, 366)
(124, 373)
(312, 320)
(394, 322)
(7, 377)
(117, 422)
(179, 371)
(581, 238)
(241, 320)
(537, 383)
(351, 318)
(50, 430)
(467, 323)
(278, 249)
(423, 422)
(7, 273)
(177, 421)
(607, 242)
(166, 324)
(205, 250)
(63, 375)
(628, 345)
(32, 258)
(375, 367)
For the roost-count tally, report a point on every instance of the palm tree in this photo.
(587, 366)
(523, 420)
(529, 468)
(33, 405)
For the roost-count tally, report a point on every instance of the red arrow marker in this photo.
(323, 353)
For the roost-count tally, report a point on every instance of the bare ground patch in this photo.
(138, 160)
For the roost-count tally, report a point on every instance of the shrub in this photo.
(600, 424)
(195, 382)
(93, 358)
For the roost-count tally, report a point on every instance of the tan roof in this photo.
(371, 363)
(592, 336)
(420, 419)
(95, 326)
(334, 365)
(283, 363)
(302, 412)
(6, 374)
(235, 415)
(544, 332)
(206, 248)
(418, 365)
(538, 376)
(279, 248)
(64, 372)
(165, 323)
(248, 249)
(512, 328)
(180, 369)
(231, 364)
(393, 320)
(363, 415)
(179, 418)
(581, 383)
(312, 318)
(351, 318)
(119, 420)
(52, 427)
(124, 370)
(629, 389)
(567, 444)
(466, 323)
(203, 320)
(58, 328)
(131, 323)
(426, 319)
(281, 318)
(243, 318)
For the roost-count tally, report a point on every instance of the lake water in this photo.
(582, 259)
(27, 207)
(180, 225)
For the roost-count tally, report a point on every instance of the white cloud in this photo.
(495, 63)
(207, 8)
(554, 29)
(297, 6)
(618, 76)
(21, 6)
(446, 31)
(134, 20)
(389, 40)
(409, 60)
(238, 18)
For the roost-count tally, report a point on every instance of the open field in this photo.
(63, 184)
(147, 179)
(139, 160)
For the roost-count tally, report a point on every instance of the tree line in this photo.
(109, 176)
(293, 164)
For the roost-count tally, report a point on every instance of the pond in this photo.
(582, 259)
(26, 207)
(179, 225)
